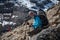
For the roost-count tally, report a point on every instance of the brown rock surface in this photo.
(53, 15)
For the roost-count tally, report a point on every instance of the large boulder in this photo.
(50, 34)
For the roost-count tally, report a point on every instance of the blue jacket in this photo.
(37, 22)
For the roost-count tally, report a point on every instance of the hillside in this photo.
(18, 33)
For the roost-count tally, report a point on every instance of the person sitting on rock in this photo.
(38, 22)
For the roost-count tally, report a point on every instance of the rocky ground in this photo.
(51, 33)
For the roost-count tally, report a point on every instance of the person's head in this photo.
(31, 13)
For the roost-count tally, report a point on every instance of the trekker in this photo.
(39, 21)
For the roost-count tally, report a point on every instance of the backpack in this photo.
(44, 19)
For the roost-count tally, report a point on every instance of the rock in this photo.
(53, 15)
(53, 32)
(50, 34)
